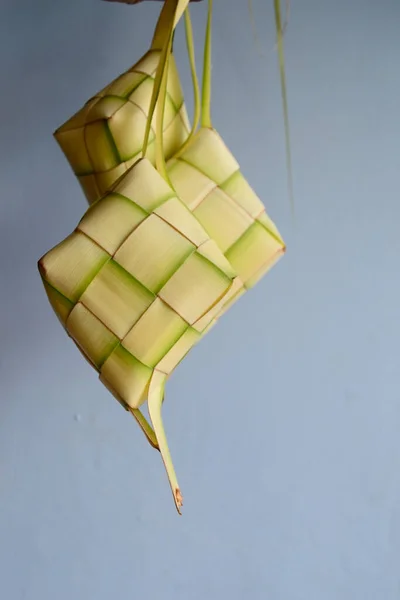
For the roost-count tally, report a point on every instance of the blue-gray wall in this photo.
(284, 422)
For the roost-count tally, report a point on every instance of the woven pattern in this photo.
(208, 180)
(137, 283)
(105, 138)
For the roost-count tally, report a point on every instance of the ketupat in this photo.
(208, 179)
(136, 285)
(110, 283)
(104, 138)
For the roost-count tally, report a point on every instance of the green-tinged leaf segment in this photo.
(281, 56)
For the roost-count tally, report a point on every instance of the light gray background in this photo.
(284, 422)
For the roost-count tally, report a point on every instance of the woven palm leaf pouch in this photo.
(139, 282)
(173, 235)
(105, 137)
(208, 179)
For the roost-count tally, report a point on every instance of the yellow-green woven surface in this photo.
(105, 137)
(207, 178)
(174, 234)
(137, 283)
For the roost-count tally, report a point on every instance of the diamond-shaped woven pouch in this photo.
(207, 178)
(151, 266)
(137, 283)
(105, 137)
